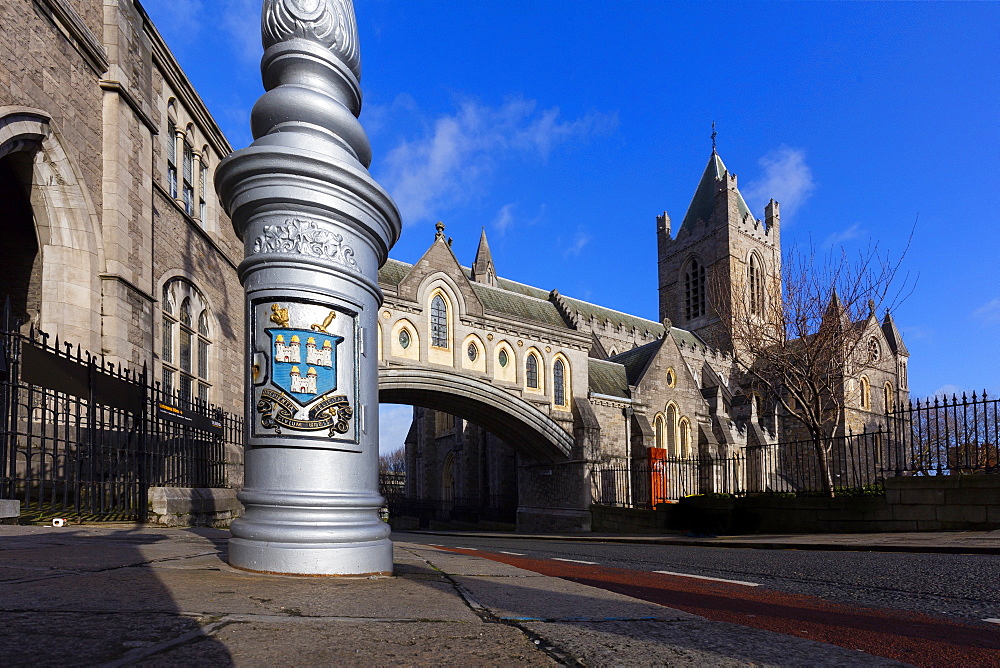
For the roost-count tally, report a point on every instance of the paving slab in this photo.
(159, 596)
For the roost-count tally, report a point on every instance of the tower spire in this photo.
(714, 135)
(482, 268)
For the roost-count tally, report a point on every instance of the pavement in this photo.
(123, 595)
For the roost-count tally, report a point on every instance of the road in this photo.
(924, 609)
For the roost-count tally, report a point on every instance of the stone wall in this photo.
(934, 503)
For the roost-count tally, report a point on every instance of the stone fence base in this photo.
(920, 503)
(193, 506)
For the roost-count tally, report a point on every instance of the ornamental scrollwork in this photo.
(305, 238)
(329, 22)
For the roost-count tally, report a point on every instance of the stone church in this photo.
(632, 384)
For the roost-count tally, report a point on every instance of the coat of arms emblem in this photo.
(302, 369)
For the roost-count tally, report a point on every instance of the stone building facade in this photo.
(631, 384)
(115, 238)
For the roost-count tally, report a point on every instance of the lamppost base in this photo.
(330, 559)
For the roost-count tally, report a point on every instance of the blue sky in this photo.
(565, 127)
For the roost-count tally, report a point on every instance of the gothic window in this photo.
(188, 174)
(473, 352)
(503, 358)
(658, 431)
(684, 429)
(559, 383)
(172, 159)
(888, 398)
(202, 178)
(186, 343)
(404, 338)
(671, 430)
(531, 371)
(866, 393)
(694, 290)
(874, 350)
(756, 285)
(439, 322)
(671, 378)
(902, 374)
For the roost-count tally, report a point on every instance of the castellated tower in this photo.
(720, 255)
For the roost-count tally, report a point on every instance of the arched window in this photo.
(186, 345)
(694, 290)
(866, 393)
(658, 431)
(671, 428)
(684, 429)
(559, 383)
(188, 175)
(756, 285)
(439, 322)
(531, 371)
(172, 158)
(888, 396)
(202, 178)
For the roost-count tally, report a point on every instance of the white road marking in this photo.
(516, 554)
(466, 548)
(575, 561)
(992, 621)
(702, 577)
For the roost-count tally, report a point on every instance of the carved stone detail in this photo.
(328, 22)
(306, 238)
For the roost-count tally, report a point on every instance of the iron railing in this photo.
(80, 437)
(942, 436)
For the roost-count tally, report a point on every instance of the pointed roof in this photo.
(703, 203)
(893, 336)
(483, 269)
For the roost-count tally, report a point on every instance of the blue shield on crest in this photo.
(303, 362)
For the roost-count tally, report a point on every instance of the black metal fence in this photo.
(83, 438)
(942, 436)
(500, 508)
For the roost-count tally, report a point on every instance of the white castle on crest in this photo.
(319, 356)
(289, 353)
(302, 385)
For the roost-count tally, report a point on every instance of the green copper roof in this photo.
(703, 202)
(607, 378)
(617, 318)
(393, 272)
(520, 306)
(636, 360)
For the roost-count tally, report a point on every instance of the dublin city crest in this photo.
(302, 370)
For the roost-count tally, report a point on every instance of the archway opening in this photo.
(20, 254)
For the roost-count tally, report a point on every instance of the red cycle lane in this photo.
(915, 638)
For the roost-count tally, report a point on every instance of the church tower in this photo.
(721, 256)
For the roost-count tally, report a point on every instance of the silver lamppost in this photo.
(316, 228)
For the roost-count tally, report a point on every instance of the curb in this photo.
(728, 543)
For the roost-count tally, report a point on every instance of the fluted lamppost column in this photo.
(316, 228)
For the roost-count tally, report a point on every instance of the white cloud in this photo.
(241, 21)
(988, 312)
(448, 165)
(393, 423)
(847, 234)
(504, 218)
(579, 241)
(787, 178)
(182, 24)
(947, 391)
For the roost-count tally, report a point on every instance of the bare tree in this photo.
(392, 462)
(801, 341)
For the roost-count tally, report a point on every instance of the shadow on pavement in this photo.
(90, 596)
